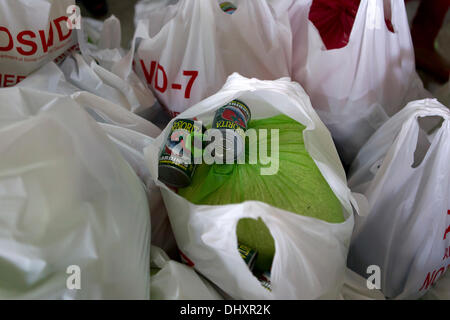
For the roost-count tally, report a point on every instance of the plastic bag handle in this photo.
(414, 109)
(399, 18)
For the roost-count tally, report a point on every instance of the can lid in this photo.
(237, 142)
(244, 107)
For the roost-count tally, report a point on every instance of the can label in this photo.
(248, 254)
(233, 118)
(177, 155)
(235, 115)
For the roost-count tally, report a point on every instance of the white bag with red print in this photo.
(356, 88)
(186, 51)
(441, 290)
(405, 175)
(32, 33)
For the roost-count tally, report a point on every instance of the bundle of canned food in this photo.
(184, 144)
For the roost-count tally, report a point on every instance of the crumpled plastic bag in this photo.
(68, 199)
(172, 280)
(131, 144)
(98, 67)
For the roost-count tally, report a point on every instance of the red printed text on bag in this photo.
(156, 74)
(434, 275)
(9, 80)
(27, 42)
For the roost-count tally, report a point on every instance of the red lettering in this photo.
(49, 42)
(31, 44)
(193, 74)
(428, 280)
(57, 22)
(186, 259)
(148, 76)
(446, 232)
(163, 88)
(431, 278)
(438, 274)
(10, 44)
(20, 78)
(6, 78)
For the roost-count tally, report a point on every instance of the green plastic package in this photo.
(298, 187)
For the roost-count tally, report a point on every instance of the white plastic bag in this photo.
(441, 290)
(96, 68)
(70, 205)
(407, 231)
(176, 281)
(144, 8)
(355, 288)
(356, 88)
(186, 51)
(50, 79)
(310, 254)
(128, 131)
(132, 144)
(32, 33)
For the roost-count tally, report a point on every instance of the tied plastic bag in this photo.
(51, 79)
(310, 254)
(172, 280)
(32, 33)
(97, 68)
(404, 174)
(186, 51)
(73, 214)
(356, 88)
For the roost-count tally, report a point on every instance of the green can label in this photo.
(176, 161)
(248, 254)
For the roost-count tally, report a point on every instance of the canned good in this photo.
(248, 254)
(232, 120)
(176, 162)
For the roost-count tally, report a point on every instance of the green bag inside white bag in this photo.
(310, 246)
(297, 186)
